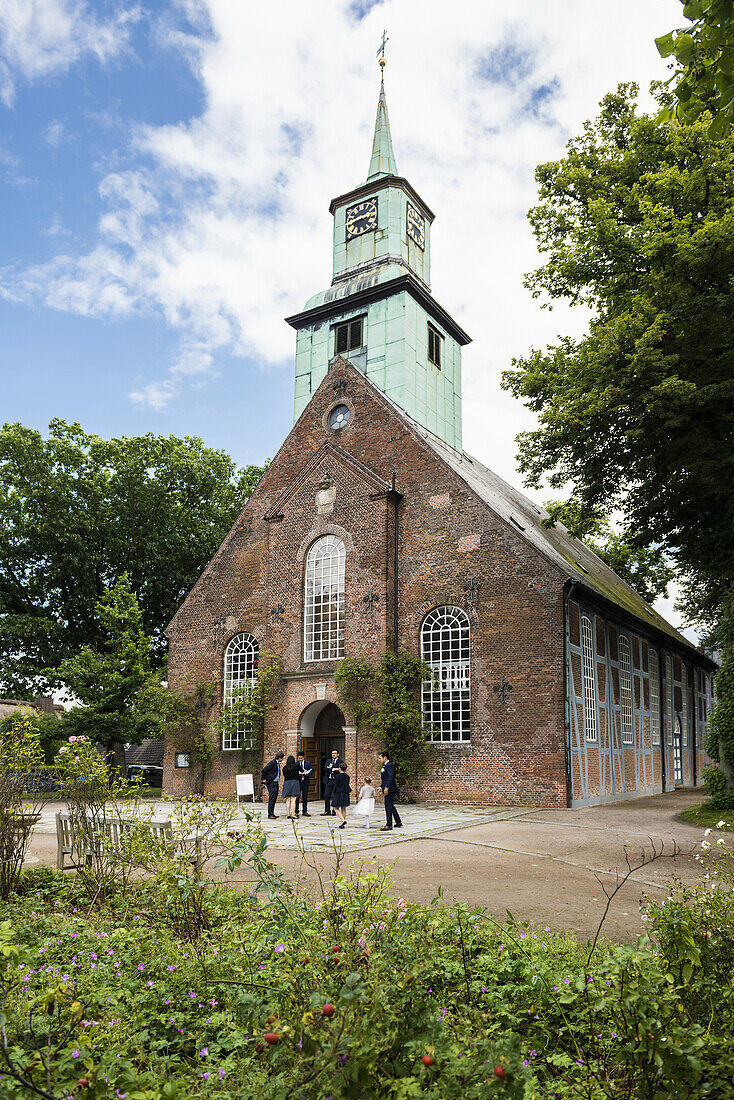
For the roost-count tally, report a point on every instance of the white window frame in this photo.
(654, 698)
(684, 704)
(240, 671)
(669, 699)
(588, 679)
(323, 602)
(446, 696)
(626, 709)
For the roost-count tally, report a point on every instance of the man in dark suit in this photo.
(389, 787)
(306, 771)
(271, 778)
(332, 765)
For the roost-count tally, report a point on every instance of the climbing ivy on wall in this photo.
(384, 699)
(248, 705)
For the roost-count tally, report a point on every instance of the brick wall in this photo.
(446, 536)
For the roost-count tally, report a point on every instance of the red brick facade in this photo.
(446, 536)
(452, 549)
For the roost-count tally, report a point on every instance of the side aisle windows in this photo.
(589, 679)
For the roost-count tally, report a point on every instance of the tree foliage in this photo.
(384, 699)
(703, 52)
(637, 221)
(78, 511)
(107, 679)
(644, 568)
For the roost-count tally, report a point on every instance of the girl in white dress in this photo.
(366, 802)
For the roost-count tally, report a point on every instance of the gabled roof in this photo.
(574, 559)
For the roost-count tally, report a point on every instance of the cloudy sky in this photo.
(166, 169)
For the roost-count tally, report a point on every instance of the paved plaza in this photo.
(550, 866)
(317, 833)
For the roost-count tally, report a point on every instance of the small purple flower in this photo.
(279, 947)
(75, 1053)
(141, 966)
(203, 1052)
(343, 1059)
(205, 1075)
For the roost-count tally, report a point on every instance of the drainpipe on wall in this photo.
(568, 591)
(397, 497)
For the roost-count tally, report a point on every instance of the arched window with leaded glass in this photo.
(445, 646)
(240, 675)
(323, 633)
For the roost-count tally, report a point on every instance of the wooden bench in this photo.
(112, 829)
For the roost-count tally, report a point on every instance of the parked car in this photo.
(150, 775)
(38, 782)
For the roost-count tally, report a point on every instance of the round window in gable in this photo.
(339, 417)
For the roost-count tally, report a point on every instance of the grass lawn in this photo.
(705, 815)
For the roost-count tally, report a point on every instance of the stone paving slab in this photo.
(318, 833)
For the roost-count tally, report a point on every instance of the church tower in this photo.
(379, 312)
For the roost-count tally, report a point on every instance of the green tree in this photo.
(77, 511)
(107, 679)
(637, 416)
(703, 52)
(645, 568)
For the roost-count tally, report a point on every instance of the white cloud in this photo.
(41, 37)
(226, 230)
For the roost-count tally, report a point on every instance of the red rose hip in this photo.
(428, 1060)
(327, 1010)
(271, 1038)
(500, 1071)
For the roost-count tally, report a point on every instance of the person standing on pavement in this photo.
(305, 772)
(271, 778)
(332, 766)
(341, 789)
(389, 787)
(291, 786)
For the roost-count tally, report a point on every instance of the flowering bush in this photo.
(355, 995)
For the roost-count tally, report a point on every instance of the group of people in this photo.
(296, 776)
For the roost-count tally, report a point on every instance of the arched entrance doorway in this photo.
(322, 731)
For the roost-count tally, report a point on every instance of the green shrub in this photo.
(716, 788)
(432, 1001)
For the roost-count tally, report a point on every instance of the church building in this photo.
(554, 683)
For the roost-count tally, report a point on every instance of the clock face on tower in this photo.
(415, 225)
(361, 218)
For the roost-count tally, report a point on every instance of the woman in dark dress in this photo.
(340, 794)
(291, 786)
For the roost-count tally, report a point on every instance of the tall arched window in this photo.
(240, 674)
(588, 678)
(654, 697)
(684, 703)
(625, 690)
(669, 699)
(324, 600)
(446, 696)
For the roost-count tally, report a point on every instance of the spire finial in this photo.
(383, 158)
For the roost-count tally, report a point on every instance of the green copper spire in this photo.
(383, 158)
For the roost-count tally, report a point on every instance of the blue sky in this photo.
(166, 169)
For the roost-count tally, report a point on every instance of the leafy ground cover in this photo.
(708, 816)
(271, 993)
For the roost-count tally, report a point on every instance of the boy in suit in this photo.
(332, 766)
(271, 778)
(389, 787)
(306, 772)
